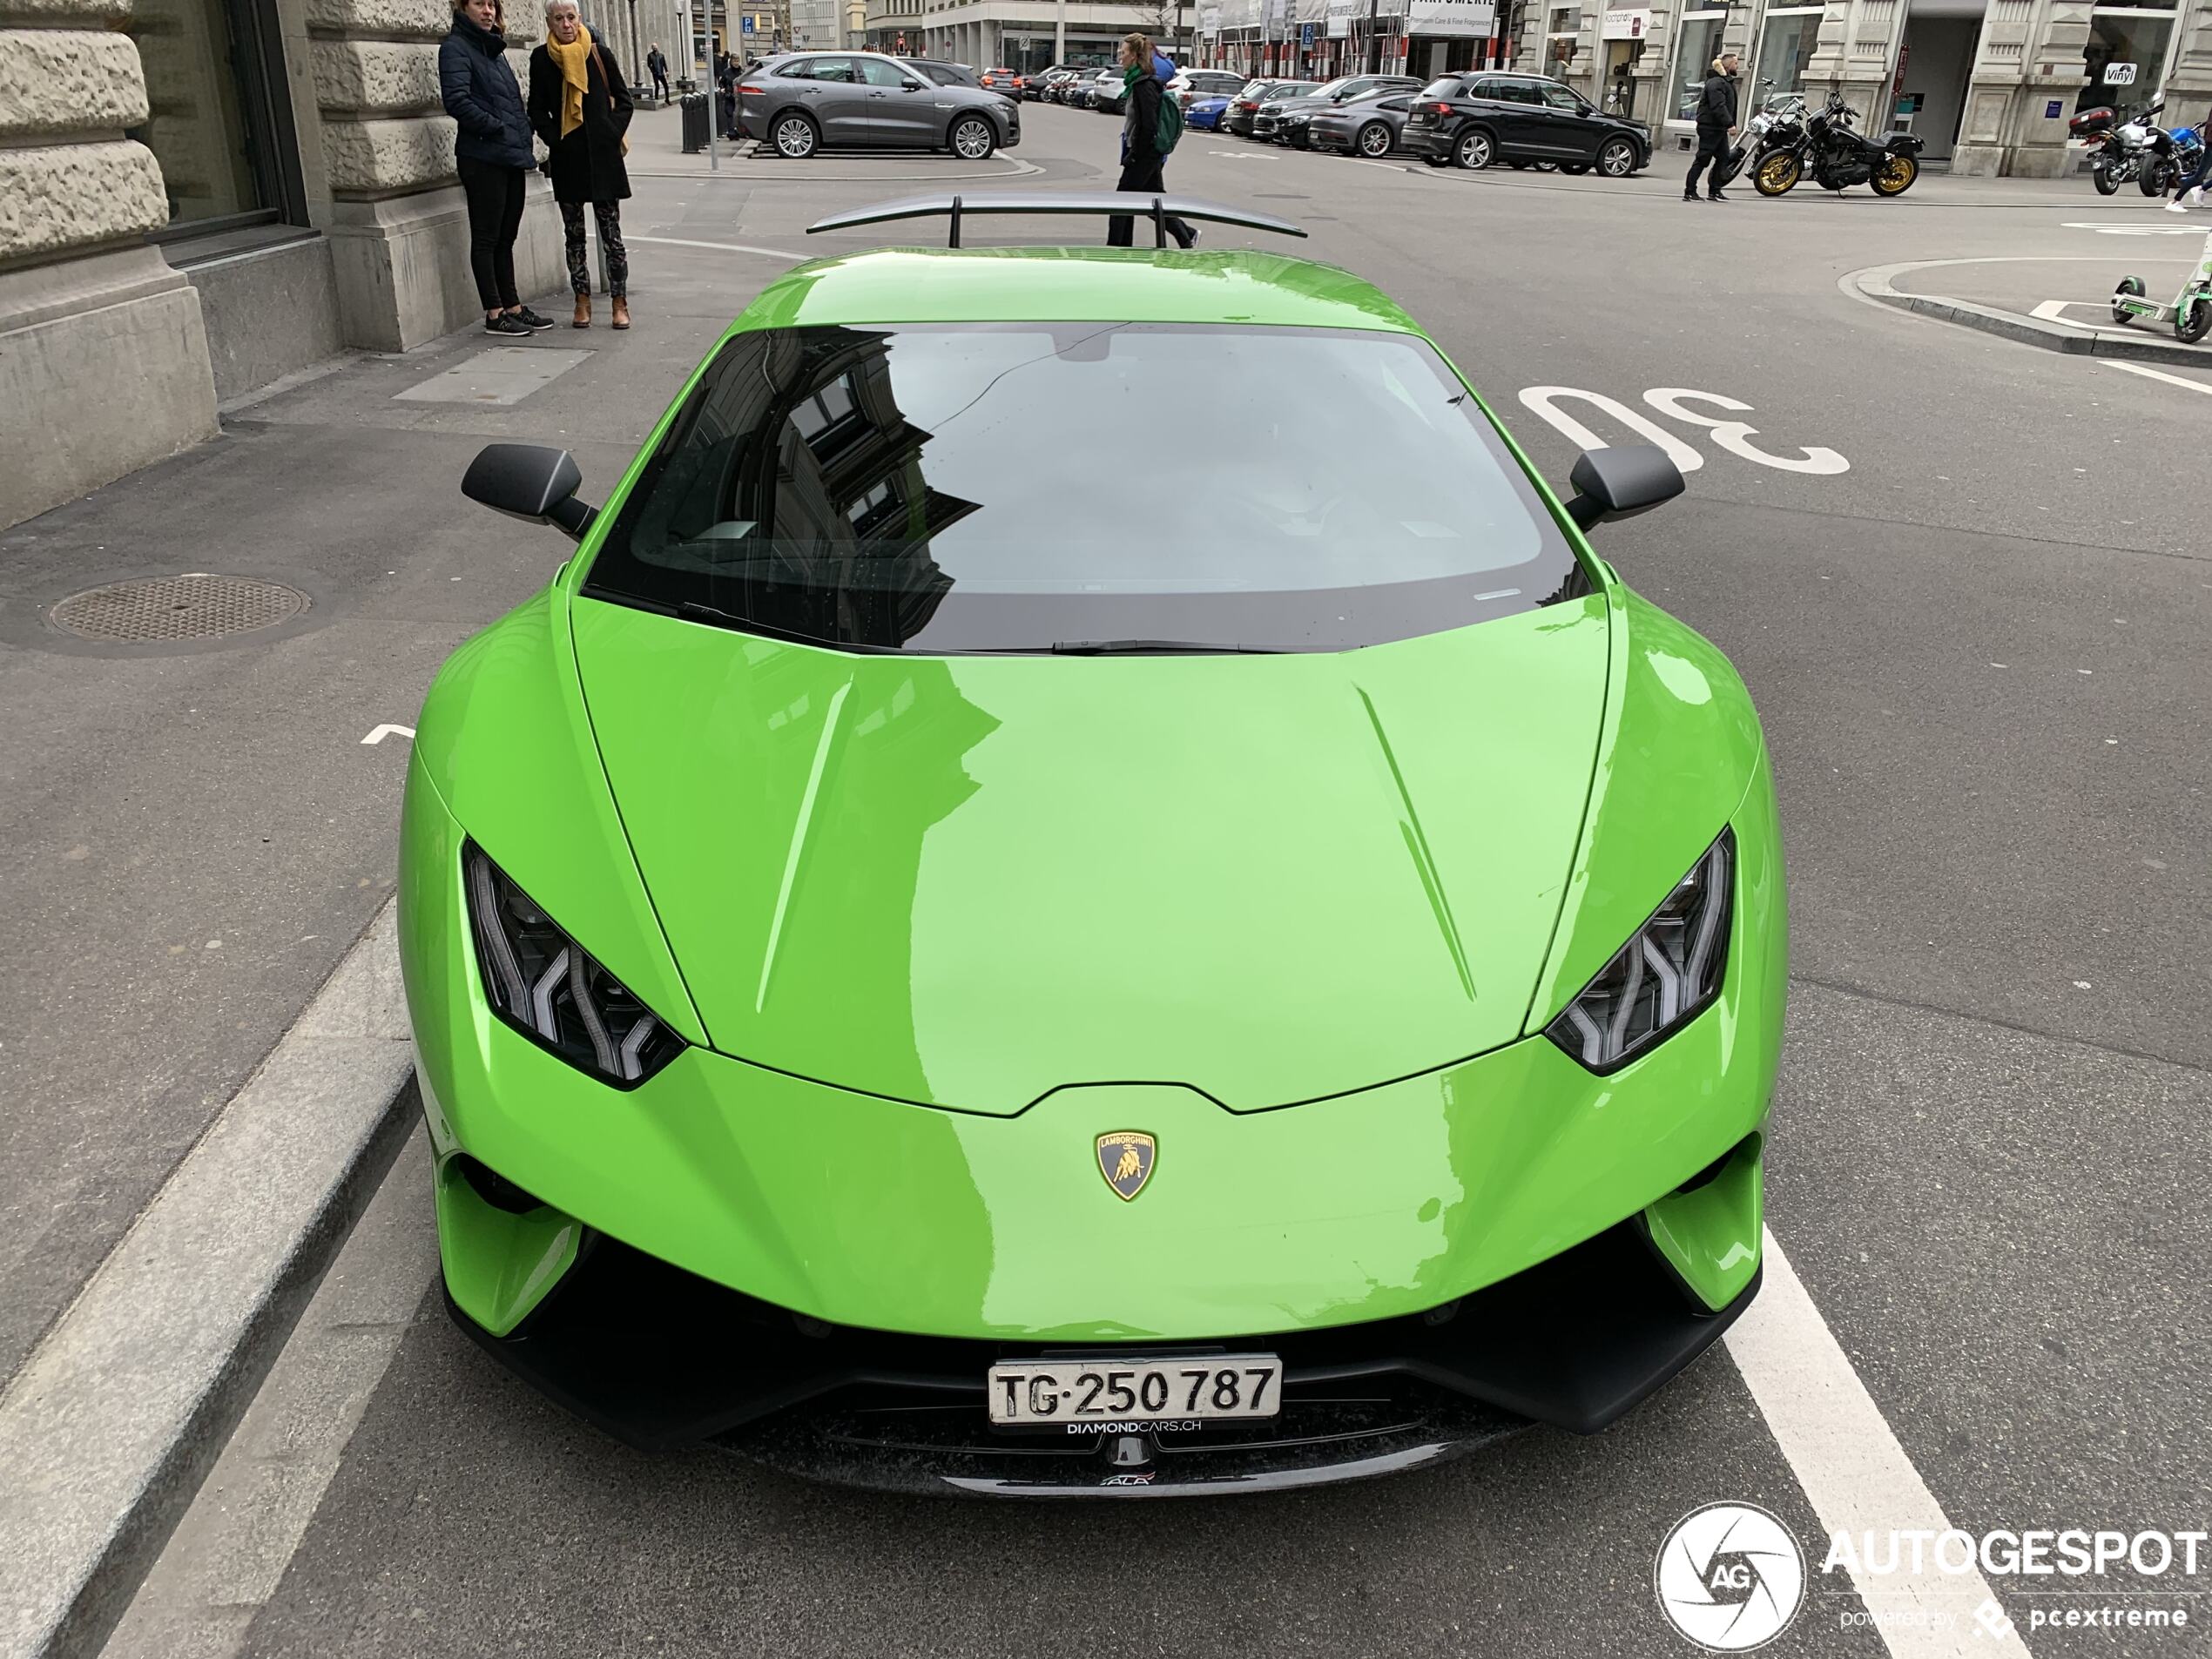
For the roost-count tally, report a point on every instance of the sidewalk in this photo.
(195, 831)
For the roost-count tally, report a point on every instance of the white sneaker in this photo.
(2187, 199)
(2179, 204)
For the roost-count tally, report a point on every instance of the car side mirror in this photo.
(529, 480)
(1621, 482)
(914, 86)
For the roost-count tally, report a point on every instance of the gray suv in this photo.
(812, 101)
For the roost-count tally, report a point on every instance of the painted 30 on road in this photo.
(1209, 1387)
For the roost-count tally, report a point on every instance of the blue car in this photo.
(1206, 113)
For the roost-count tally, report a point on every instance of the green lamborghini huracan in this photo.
(988, 930)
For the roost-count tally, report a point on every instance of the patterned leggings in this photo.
(609, 215)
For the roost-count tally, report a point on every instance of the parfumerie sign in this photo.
(1475, 18)
(1625, 25)
(1339, 16)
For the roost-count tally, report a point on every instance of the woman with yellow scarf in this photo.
(580, 106)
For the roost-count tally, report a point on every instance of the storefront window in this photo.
(216, 120)
(1695, 48)
(2125, 57)
(1785, 47)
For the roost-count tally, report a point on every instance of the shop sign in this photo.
(2119, 74)
(1625, 25)
(1339, 17)
(1461, 19)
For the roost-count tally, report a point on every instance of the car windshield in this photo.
(1447, 87)
(878, 488)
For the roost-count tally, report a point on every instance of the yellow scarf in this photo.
(574, 62)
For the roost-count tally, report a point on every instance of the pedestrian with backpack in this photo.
(1149, 133)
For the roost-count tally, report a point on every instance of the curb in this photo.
(1875, 284)
(111, 1424)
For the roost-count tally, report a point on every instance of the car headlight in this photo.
(552, 990)
(1666, 974)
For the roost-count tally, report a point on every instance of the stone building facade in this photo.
(1987, 84)
(199, 196)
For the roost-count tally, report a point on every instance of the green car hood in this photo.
(969, 881)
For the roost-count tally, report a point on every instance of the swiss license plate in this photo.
(1040, 1394)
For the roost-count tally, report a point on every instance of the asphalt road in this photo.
(1978, 649)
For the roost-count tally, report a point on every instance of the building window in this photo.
(2125, 57)
(1786, 42)
(1696, 47)
(219, 116)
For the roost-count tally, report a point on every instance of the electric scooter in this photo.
(2191, 311)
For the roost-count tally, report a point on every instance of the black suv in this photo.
(1481, 116)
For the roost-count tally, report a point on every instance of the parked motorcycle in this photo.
(2173, 157)
(2123, 144)
(1838, 157)
(1778, 121)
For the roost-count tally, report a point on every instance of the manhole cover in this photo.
(193, 606)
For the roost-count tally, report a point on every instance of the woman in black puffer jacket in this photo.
(492, 151)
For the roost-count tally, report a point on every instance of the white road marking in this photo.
(2130, 228)
(2160, 374)
(1854, 1473)
(1733, 437)
(720, 247)
(384, 731)
(2054, 310)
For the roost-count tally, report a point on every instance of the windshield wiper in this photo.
(1157, 648)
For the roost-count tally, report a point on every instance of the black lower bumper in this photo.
(659, 1358)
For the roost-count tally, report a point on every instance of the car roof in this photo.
(1073, 284)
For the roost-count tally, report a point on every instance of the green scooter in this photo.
(2191, 311)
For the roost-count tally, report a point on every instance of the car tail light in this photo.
(748, 91)
(1441, 109)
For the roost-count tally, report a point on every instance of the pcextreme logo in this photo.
(1730, 1577)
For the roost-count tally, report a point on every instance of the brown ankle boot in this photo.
(583, 311)
(621, 312)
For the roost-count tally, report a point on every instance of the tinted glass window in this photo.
(1448, 86)
(876, 72)
(1515, 91)
(880, 487)
(1559, 99)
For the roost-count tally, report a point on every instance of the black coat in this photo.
(1717, 105)
(480, 93)
(1140, 127)
(586, 166)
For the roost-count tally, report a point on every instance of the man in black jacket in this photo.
(1716, 126)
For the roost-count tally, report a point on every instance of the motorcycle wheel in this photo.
(2133, 287)
(1777, 174)
(2195, 321)
(2157, 174)
(2101, 176)
(1895, 176)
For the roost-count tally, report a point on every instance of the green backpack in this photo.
(1171, 122)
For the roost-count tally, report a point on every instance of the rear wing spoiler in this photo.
(1129, 204)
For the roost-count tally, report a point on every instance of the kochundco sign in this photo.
(1464, 18)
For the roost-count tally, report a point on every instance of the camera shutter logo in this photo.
(1730, 1577)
